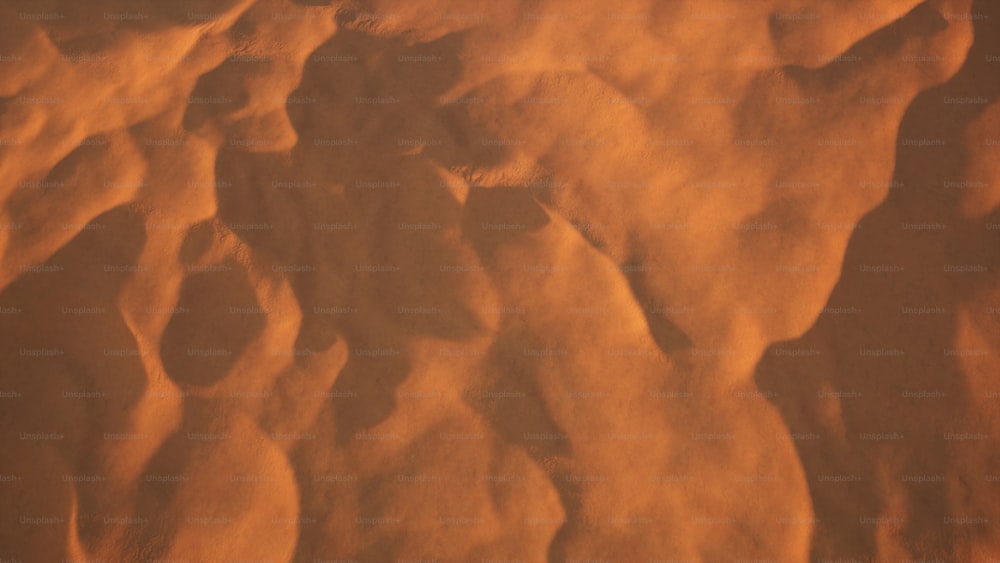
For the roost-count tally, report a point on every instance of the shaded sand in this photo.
(518, 281)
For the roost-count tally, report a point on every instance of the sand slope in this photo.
(520, 281)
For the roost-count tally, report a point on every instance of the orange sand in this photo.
(442, 280)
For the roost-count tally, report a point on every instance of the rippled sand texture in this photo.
(689, 280)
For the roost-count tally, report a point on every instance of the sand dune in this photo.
(519, 281)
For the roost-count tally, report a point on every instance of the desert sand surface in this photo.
(511, 281)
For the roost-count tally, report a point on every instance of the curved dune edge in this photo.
(382, 281)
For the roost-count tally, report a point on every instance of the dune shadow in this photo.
(70, 354)
(869, 390)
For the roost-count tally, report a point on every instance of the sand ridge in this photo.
(526, 281)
